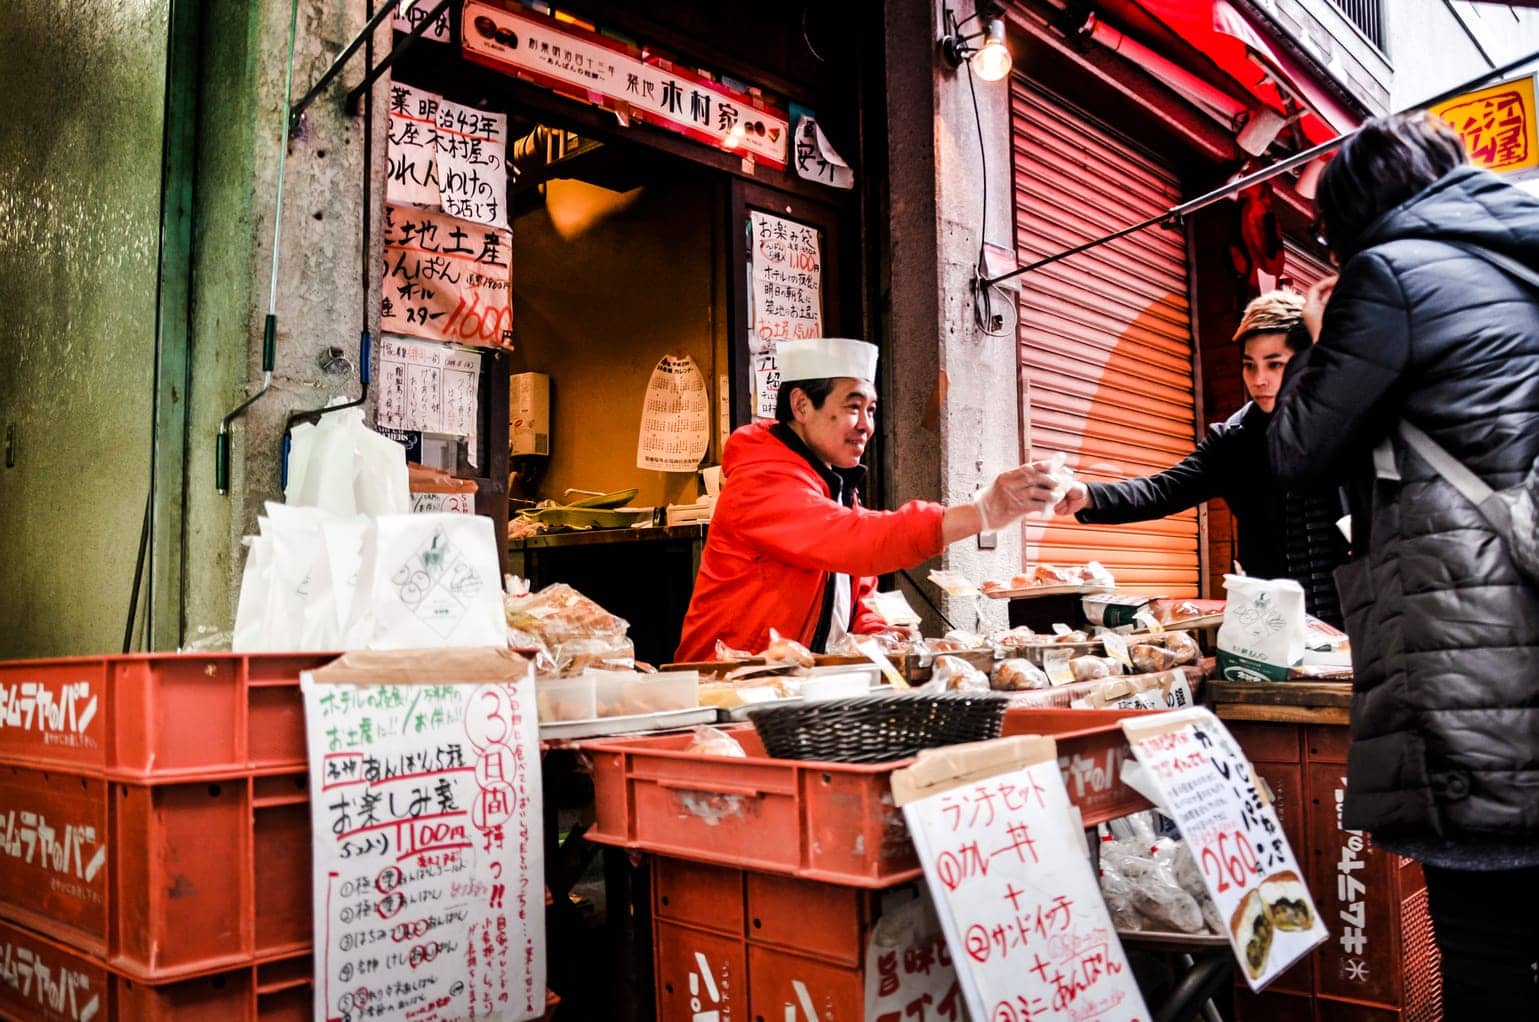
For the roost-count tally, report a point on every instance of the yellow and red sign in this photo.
(1498, 124)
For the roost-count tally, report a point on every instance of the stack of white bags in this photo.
(344, 565)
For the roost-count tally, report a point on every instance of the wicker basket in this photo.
(874, 729)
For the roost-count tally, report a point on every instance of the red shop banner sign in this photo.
(600, 70)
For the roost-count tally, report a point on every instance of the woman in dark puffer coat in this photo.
(1444, 761)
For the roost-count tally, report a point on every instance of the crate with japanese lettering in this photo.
(765, 946)
(42, 979)
(158, 881)
(1380, 962)
(156, 717)
(830, 822)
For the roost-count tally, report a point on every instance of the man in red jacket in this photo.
(790, 547)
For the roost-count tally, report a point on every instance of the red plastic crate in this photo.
(158, 882)
(44, 981)
(1380, 960)
(771, 945)
(833, 822)
(1091, 751)
(156, 717)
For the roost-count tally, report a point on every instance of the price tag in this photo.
(1055, 663)
(1117, 649)
(1210, 789)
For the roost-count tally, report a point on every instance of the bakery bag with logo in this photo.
(428, 580)
(1263, 631)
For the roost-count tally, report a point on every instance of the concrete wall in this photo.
(938, 190)
(1431, 49)
(80, 177)
(318, 305)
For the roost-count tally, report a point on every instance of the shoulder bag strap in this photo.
(1512, 267)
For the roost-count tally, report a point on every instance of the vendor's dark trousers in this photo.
(1487, 928)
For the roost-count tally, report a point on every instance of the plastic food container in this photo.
(628, 693)
(842, 685)
(565, 699)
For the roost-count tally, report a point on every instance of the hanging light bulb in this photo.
(991, 61)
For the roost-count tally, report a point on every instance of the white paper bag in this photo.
(250, 633)
(301, 609)
(1263, 631)
(428, 580)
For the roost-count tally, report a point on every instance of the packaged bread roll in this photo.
(1018, 676)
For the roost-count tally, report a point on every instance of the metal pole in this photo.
(1175, 213)
(335, 69)
(390, 58)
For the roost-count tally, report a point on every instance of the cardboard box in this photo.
(529, 414)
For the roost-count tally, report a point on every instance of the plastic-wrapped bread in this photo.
(1150, 659)
(1090, 668)
(1018, 676)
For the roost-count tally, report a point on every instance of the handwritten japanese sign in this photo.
(816, 159)
(909, 972)
(472, 163)
(786, 277)
(429, 388)
(411, 176)
(641, 87)
(676, 419)
(425, 807)
(444, 155)
(1007, 866)
(1211, 791)
(446, 279)
(1497, 124)
(409, 15)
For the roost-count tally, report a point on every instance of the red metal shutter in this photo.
(1105, 337)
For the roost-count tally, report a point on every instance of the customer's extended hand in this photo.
(1014, 494)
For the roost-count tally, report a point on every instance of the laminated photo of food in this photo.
(1252, 929)
(1287, 901)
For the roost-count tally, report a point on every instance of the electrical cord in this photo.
(985, 295)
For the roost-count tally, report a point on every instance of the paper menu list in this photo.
(675, 419)
(786, 281)
(1020, 906)
(428, 863)
(1207, 785)
(430, 388)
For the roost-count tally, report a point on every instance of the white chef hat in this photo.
(825, 358)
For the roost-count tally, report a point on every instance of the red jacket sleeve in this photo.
(786, 514)
(864, 620)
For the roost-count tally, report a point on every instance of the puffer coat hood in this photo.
(1445, 632)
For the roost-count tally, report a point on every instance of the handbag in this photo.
(1512, 512)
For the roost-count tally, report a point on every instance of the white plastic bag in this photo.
(1263, 631)
(428, 580)
(345, 467)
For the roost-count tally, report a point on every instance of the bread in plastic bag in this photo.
(782, 650)
(953, 674)
(1018, 676)
(713, 741)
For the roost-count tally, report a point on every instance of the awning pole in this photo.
(1175, 213)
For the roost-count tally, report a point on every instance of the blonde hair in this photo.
(1275, 312)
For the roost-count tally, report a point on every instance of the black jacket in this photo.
(1281, 533)
(1445, 633)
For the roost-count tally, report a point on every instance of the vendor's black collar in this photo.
(842, 483)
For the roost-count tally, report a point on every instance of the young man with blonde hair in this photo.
(1281, 533)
